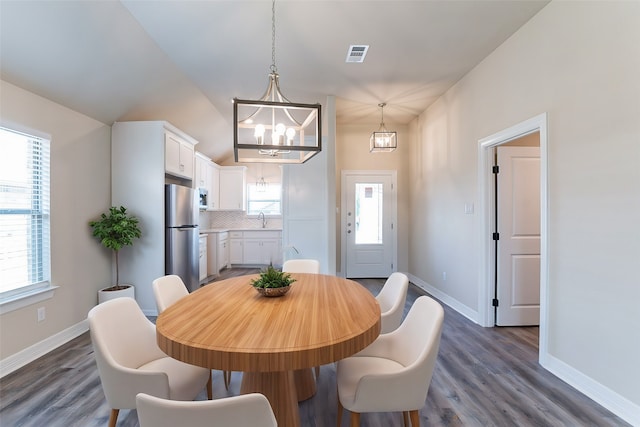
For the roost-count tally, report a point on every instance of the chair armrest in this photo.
(121, 385)
(391, 392)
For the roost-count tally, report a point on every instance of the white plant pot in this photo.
(105, 295)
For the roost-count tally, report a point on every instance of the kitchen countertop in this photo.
(222, 230)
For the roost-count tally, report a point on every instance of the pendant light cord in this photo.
(274, 69)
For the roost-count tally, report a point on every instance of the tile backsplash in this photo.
(235, 219)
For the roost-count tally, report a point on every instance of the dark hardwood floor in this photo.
(483, 377)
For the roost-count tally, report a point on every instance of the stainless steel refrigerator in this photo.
(181, 235)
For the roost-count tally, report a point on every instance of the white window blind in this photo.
(264, 198)
(24, 213)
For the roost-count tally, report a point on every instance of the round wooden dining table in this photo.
(275, 341)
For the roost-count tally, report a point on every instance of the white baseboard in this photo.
(29, 354)
(622, 407)
(446, 299)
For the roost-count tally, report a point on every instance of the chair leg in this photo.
(339, 419)
(113, 417)
(415, 418)
(317, 372)
(405, 419)
(355, 419)
(210, 387)
(227, 379)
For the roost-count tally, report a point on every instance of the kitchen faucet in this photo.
(264, 220)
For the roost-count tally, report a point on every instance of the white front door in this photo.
(368, 223)
(518, 211)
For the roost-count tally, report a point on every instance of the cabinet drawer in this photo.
(261, 234)
(223, 236)
(235, 234)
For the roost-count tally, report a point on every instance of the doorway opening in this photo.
(486, 148)
(368, 224)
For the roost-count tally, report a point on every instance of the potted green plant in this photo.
(116, 229)
(272, 282)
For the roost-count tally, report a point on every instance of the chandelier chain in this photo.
(274, 69)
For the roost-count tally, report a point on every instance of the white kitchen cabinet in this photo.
(202, 172)
(214, 187)
(223, 250)
(260, 247)
(179, 156)
(235, 247)
(202, 261)
(217, 252)
(232, 187)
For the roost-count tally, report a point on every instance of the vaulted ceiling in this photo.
(183, 61)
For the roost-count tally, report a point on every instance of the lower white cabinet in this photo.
(217, 252)
(235, 248)
(203, 257)
(223, 250)
(260, 247)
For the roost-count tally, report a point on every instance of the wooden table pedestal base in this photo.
(280, 390)
(305, 384)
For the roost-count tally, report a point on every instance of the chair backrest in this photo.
(392, 298)
(122, 337)
(243, 410)
(301, 266)
(167, 290)
(416, 341)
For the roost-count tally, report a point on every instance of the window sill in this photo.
(19, 301)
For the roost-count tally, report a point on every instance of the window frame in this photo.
(255, 214)
(43, 289)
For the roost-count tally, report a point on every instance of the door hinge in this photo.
(495, 169)
(496, 236)
(495, 302)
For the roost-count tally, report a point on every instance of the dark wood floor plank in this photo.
(483, 377)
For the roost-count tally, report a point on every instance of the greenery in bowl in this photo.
(272, 278)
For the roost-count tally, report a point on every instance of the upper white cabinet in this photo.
(179, 154)
(232, 187)
(214, 189)
(202, 172)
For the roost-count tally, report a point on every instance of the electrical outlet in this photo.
(41, 314)
(444, 276)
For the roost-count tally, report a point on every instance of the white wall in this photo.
(579, 62)
(80, 191)
(352, 153)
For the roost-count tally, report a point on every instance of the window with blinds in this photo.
(24, 213)
(264, 198)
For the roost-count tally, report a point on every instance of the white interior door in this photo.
(368, 223)
(518, 211)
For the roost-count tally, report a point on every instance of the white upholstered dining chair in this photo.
(391, 298)
(301, 266)
(237, 411)
(130, 361)
(394, 372)
(167, 290)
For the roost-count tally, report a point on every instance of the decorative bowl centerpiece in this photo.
(272, 282)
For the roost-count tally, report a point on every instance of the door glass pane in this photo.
(368, 214)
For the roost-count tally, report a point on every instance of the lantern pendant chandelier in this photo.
(382, 140)
(274, 129)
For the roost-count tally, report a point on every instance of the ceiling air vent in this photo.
(357, 53)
